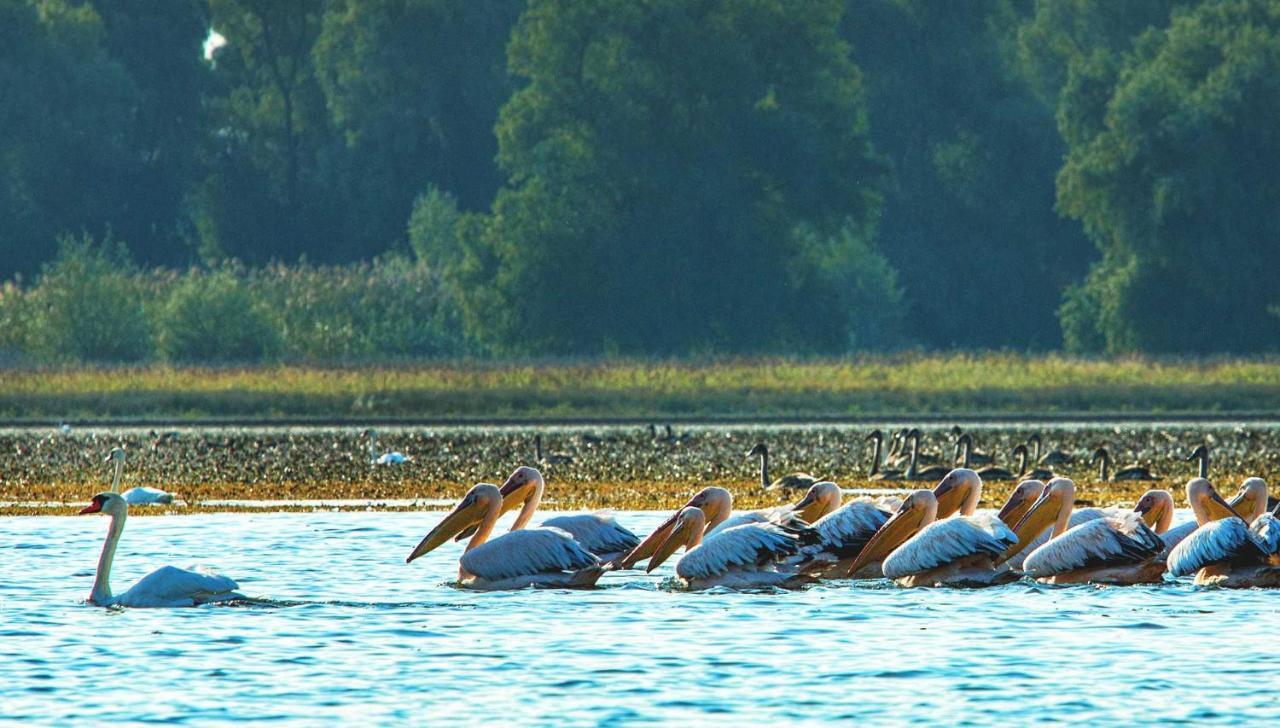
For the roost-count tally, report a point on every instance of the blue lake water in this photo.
(361, 636)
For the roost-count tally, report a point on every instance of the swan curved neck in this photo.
(1022, 460)
(101, 594)
(1105, 463)
(878, 443)
(117, 468)
(1204, 465)
(530, 505)
(764, 468)
(537, 447)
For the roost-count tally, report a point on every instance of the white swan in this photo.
(167, 586)
(387, 458)
(139, 496)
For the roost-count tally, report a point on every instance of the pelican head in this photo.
(686, 531)
(1206, 504)
(714, 505)
(1052, 507)
(1251, 499)
(107, 502)
(1020, 501)
(959, 490)
(520, 486)
(821, 499)
(1156, 509)
(917, 511)
(483, 501)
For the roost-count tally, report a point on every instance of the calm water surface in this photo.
(358, 635)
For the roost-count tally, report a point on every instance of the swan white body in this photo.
(165, 587)
(522, 558)
(142, 495)
(387, 458)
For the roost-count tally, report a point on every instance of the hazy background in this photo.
(379, 180)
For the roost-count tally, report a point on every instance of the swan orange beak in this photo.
(94, 506)
(466, 514)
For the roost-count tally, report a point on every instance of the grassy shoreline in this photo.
(934, 384)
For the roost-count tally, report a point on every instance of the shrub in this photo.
(433, 225)
(211, 317)
(89, 305)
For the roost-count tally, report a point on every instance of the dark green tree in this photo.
(1178, 187)
(668, 164)
(969, 220)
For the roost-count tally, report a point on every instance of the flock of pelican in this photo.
(929, 538)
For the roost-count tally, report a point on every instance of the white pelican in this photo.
(1227, 552)
(842, 535)
(1115, 548)
(743, 557)
(1250, 502)
(821, 499)
(541, 557)
(918, 550)
(715, 502)
(167, 586)
(387, 458)
(597, 532)
(792, 481)
(140, 495)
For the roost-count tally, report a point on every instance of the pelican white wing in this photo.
(1078, 517)
(598, 533)
(782, 515)
(747, 547)
(1265, 532)
(1212, 543)
(1106, 541)
(947, 541)
(843, 532)
(170, 586)
(1174, 535)
(525, 553)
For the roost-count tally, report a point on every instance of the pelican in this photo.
(1227, 552)
(551, 458)
(597, 532)
(743, 557)
(876, 473)
(958, 492)
(139, 496)
(1131, 472)
(386, 458)
(1201, 454)
(842, 534)
(1250, 501)
(716, 504)
(539, 557)
(1111, 549)
(821, 499)
(795, 481)
(165, 587)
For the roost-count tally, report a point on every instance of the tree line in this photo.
(657, 177)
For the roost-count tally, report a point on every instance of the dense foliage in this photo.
(243, 180)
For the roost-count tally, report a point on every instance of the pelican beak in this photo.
(1216, 499)
(465, 514)
(895, 532)
(1151, 511)
(675, 539)
(648, 546)
(1016, 508)
(807, 503)
(1037, 518)
(514, 494)
(1243, 501)
(950, 496)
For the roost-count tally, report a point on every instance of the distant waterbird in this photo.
(791, 481)
(384, 458)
